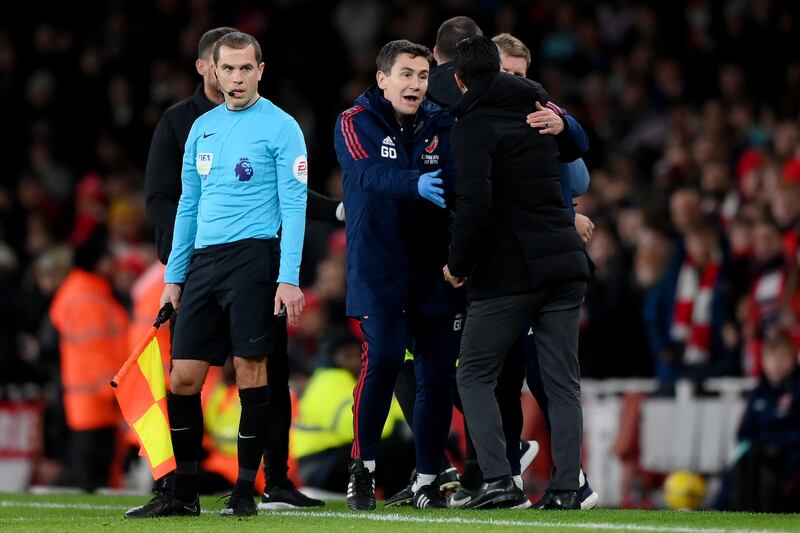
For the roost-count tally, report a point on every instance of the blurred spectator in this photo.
(770, 306)
(685, 210)
(767, 471)
(785, 209)
(688, 309)
(90, 209)
(127, 267)
(125, 220)
(720, 199)
(92, 328)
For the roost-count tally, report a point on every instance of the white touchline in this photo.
(81, 506)
(49, 505)
(394, 517)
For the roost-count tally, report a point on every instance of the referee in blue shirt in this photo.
(162, 192)
(244, 179)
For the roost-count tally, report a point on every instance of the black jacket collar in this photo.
(504, 90)
(201, 100)
(442, 87)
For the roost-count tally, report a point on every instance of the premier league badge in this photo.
(244, 169)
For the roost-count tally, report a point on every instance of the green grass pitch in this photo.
(68, 513)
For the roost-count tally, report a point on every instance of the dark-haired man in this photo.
(227, 261)
(442, 90)
(514, 240)
(162, 192)
(165, 158)
(394, 151)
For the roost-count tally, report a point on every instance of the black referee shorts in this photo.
(227, 302)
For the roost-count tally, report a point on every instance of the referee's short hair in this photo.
(206, 44)
(388, 54)
(237, 40)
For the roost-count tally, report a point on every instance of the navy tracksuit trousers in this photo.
(435, 347)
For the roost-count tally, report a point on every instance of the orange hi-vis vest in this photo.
(93, 330)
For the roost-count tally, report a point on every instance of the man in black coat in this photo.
(162, 192)
(514, 241)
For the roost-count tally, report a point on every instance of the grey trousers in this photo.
(491, 328)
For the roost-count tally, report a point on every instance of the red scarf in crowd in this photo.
(691, 321)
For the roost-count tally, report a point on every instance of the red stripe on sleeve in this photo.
(347, 142)
(555, 108)
(355, 135)
(354, 144)
(357, 144)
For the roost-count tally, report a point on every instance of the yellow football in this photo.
(684, 490)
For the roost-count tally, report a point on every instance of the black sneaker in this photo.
(559, 500)
(461, 496)
(361, 487)
(501, 493)
(286, 496)
(430, 497)
(448, 480)
(405, 496)
(164, 504)
(239, 505)
(522, 501)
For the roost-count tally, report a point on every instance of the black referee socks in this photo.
(252, 435)
(186, 427)
(276, 456)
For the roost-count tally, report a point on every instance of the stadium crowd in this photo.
(694, 159)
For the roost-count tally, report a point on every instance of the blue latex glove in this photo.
(428, 187)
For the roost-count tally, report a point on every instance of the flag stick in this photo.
(163, 315)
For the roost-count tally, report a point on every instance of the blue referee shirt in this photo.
(244, 176)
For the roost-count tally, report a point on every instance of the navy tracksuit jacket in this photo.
(397, 245)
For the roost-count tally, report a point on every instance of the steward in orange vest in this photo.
(92, 328)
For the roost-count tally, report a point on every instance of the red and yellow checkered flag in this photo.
(141, 392)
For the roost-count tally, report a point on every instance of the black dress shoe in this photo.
(559, 499)
(286, 496)
(499, 493)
